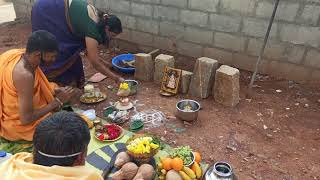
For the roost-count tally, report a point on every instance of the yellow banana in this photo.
(184, 175)
(198, 170)
(189, 172)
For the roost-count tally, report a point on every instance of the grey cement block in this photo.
(120, 6)
(171, 29)
(164, 43)
(225, 23)
(144, 67)
(295, 54)
(300, 35)
(175, 3)
(166, 13)
(125, 35)
(128, 21)
(195, 18)
(198, 35)
(311, 13)
(139, 9)
(149, 26)
(313, 58)
(189, 49)
(185, 81)
(142, 38)
(161, 62)
(226, 86)
(223, 57)
(203, 77)
(237, 6)
(204, 5)
(287, 10)
(149, 1)
(258, 28)
(229, 41)
(274, 49)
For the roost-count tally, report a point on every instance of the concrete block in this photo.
(204, 5)
(164, 43)
(287, 10)
(128, 21)
(289, 71)
(149, 1)
(237, 6)
(295, 54)
(166, 13)
(141, 9)
(313, 58)
(195, 18)
(225, 23)
(144, 67)
(226, 86)
(149, 26)
(315, 76)
(175, 3)
(244, 62)
(258, 28)
(198, 35)
(310, 14)
(228, 41)
(300, 35)
(223, 57)
(189, 49)
(141, 38)
(119, 6)
(171, 29)
(185, 81)
(203, 77)
(161, 62)
(274, 49)
(102, 5)
(125, 35)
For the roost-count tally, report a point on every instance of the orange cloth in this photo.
(20, 167)
(10, 124)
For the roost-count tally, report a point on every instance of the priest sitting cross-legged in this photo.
(26, 96)
(60, 148)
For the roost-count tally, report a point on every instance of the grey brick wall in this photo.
(230, 31)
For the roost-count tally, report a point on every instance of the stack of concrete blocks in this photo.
(161, 62)
(226, 86)
(144, 67)
(203, 77)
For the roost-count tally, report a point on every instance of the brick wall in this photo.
(230, 31)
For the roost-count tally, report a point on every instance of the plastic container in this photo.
(90, 114)
(4, 156)
(123, 57)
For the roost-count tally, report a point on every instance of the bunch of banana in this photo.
(189, 174)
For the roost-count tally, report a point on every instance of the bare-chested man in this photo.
(26, 96)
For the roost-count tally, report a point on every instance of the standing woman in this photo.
(77, 25)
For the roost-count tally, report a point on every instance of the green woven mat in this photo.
(14, 147)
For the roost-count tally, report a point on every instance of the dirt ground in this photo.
(273, 136)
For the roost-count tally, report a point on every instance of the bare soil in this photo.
(274, 135)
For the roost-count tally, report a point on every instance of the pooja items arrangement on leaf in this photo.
(92, 95)
(108, 132)
(182, 164)
(123, 104)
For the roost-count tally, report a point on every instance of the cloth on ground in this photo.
(20, 167)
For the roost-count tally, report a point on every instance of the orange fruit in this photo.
(166, 164)
(197, 157)
(193, 168)
(177, 164)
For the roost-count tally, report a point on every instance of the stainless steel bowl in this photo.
(187, 115)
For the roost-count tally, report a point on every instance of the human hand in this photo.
(65, 94)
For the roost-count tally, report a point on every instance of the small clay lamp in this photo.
(124, 102)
